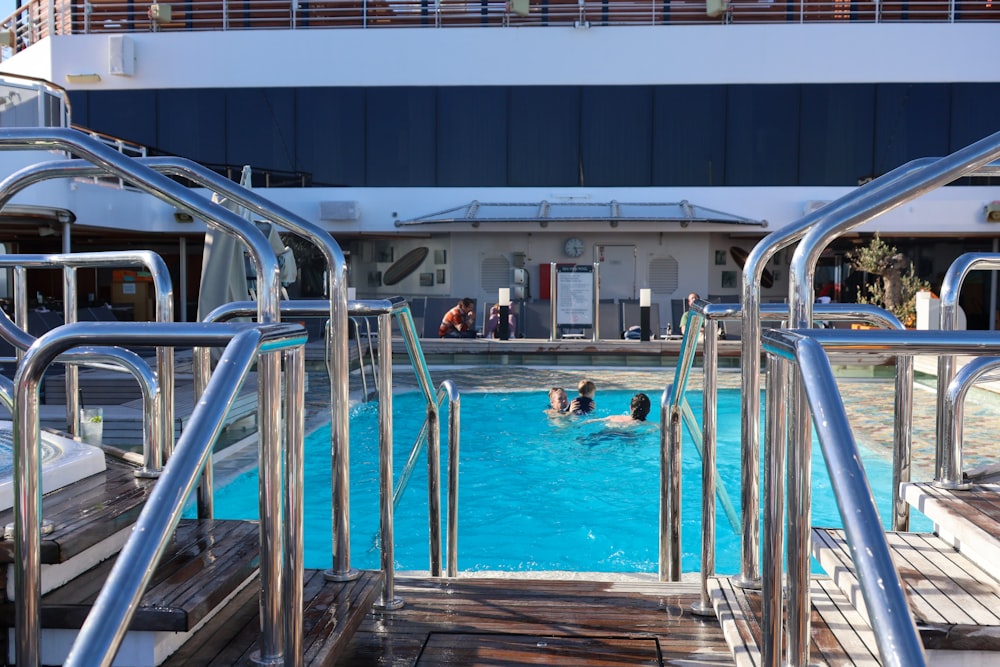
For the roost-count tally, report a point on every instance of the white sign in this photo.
(575, 295)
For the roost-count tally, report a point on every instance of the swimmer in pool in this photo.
(584, 403)
(558, 402)
(637, 412)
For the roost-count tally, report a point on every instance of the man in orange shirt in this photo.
(460, 321)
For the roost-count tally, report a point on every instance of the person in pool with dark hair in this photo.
(637, 412)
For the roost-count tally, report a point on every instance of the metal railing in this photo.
(38, 19)
(676, 408)
(898, 641)
(429, 435)
(948, 472)
(274, 594)
(105, 627)
(867, 202)
(158, 422)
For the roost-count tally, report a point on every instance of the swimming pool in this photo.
(534, 493)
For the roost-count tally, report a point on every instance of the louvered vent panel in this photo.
(663, 278)
(494, 274)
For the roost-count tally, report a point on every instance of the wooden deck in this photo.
(499, 621)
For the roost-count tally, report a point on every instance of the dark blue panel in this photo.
(762, 129)
(836, 135)
(260, 128)
(973, 112)
(472, 136)
(615, 127)
(689, 139)
(331, 135)
(544, 136)
(79, 104)
(912, 121)
(192, 124)
(126, 114)
(401, 141)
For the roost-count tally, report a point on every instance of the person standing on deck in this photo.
(692, 297)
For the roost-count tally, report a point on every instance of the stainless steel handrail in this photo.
(973, 159)
(158, 436)
(398, 308)
(948, 461)
(951, 416)
(862, 198)
(356, 322)
(337, 345)
(878, 581)
(104, 629)
(269, 294)
(703, 311)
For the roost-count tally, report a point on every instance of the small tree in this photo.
(897, 291)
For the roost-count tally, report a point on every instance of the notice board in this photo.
(575, 295)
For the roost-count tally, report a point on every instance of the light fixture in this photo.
(993, 211)
(181, 216)
(48, 230)
(83, 78)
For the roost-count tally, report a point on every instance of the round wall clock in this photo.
(573, 247)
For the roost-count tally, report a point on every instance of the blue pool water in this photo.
(535, 493)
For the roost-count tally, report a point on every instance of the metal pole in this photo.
(295, 372)
(388, 599)
(774, 455)
(708, 417)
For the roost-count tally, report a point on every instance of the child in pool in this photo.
(584, 404)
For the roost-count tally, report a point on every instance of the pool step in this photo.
(840, 636)
(968, 520)
(205, 565)
(956, 604)
(91, 519)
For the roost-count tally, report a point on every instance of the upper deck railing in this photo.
(38, 19)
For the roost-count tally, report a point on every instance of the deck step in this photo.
(87, 512)
(203, 564)
(333, 612)
(969, 520)
(955, 603)
(840, 636)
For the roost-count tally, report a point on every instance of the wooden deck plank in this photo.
(477, 648)
(535, 608)
(332, 611)
(954, 601)
(942, 591)
(837, 636)
(86, 512)
(205, 562)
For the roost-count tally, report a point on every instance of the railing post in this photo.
(709, 393)
(388, 600)
(774, 455)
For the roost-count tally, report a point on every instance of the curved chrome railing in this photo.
(972, 160)
(703, 312)
(102, 632)
(951, 416)
(158, 436)
(337, 345)
(883, 595)
(948, 463)
(265, 262)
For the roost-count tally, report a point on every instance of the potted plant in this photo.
(899, 284)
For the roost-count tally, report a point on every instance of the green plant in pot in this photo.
(898, 284)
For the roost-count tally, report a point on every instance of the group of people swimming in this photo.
(584, 404)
